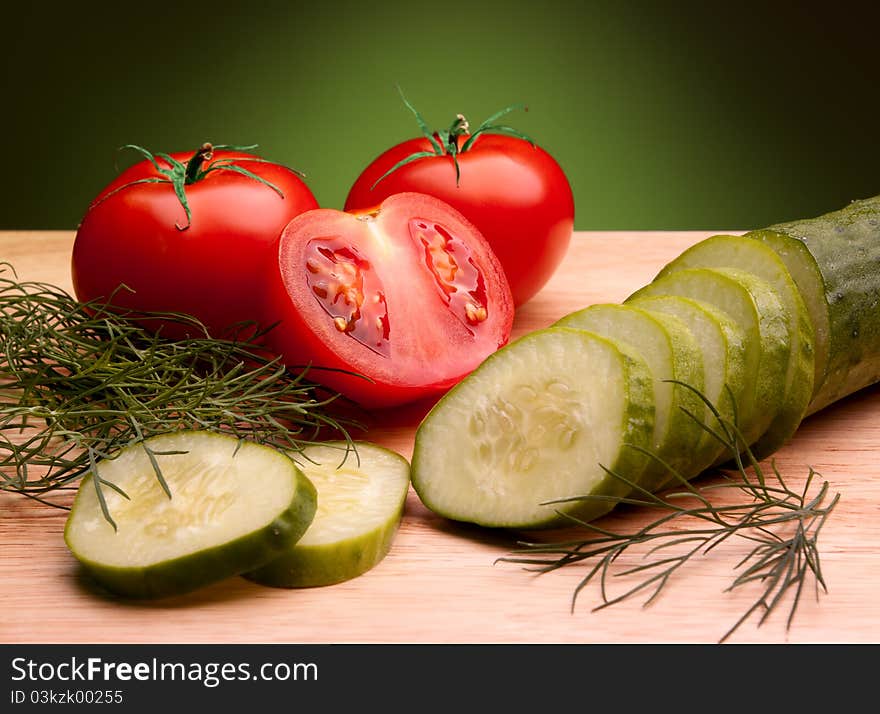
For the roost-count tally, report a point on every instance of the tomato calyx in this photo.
(447, 142)
(200, 164)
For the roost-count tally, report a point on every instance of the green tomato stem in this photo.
(194, 165)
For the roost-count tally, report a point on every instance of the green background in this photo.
(663, 115)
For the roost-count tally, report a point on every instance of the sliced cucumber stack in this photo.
(233, 506)
(753, 304)
(722, 343)
(671, 353)
(540, 420)
(757, 259)
(806, 276)
(785, 319)
(361, 497)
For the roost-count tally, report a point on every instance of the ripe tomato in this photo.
(408, 295)
(205, 255)
(513, 191)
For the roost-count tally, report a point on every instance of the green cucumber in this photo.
(536, 422)
(746, 318)
(361, 497)
(835, 260)
(671, 353)
(722, 343)
(234, 506)
(751, 303)
(755, 258)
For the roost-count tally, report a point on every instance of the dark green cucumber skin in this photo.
(179, 576)
(846, 247)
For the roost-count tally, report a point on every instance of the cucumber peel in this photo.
(233, 506)
(361, 495)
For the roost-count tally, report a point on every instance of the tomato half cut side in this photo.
(409, 296)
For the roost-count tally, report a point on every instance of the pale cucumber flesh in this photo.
(536, 422)
(234, 506)
(361, 491)
(672, 355)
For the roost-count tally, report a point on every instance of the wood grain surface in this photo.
(441, 582)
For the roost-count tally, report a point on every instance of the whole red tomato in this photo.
(408, 296)
(513, 191)
(188, 233)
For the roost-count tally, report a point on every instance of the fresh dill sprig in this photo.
(783, 525)
(79, 382)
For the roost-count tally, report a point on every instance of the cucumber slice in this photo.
(360, 503)
(234, 505)
(752, 304)
(723, 345)
(671, 353)
(755, 258)
(536, 422)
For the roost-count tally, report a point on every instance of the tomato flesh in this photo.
(409, 296)
(348, 289)
(461, 284)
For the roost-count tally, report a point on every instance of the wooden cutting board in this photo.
(441, 583)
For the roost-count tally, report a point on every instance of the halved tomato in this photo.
(408, 295)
